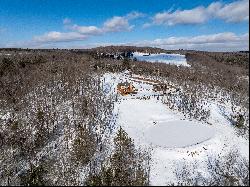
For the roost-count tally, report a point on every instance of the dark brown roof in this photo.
(124, 84)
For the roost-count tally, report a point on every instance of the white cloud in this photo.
(89, 30)
(233, 12)
(194, 16)
(134, 15)
(114, 24)
(79, 33)
(146, 25)
(117, 24)
(55, 36)
(215, 42)
(66, 21)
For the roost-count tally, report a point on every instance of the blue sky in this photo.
(170, 24)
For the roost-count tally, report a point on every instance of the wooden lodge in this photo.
(126, 88)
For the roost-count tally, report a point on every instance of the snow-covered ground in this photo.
(178, 133)
(175, 59)
(172, 138)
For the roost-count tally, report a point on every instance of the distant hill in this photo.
(115, 49)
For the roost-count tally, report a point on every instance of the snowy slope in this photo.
(173, 139)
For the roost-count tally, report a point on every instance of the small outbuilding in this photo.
(164, 88)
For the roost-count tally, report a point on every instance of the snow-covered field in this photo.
(175, 59)
(172, 138)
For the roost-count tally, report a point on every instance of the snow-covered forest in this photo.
(64, 122)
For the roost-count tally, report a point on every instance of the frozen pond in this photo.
(175, 59)
(176, 134)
